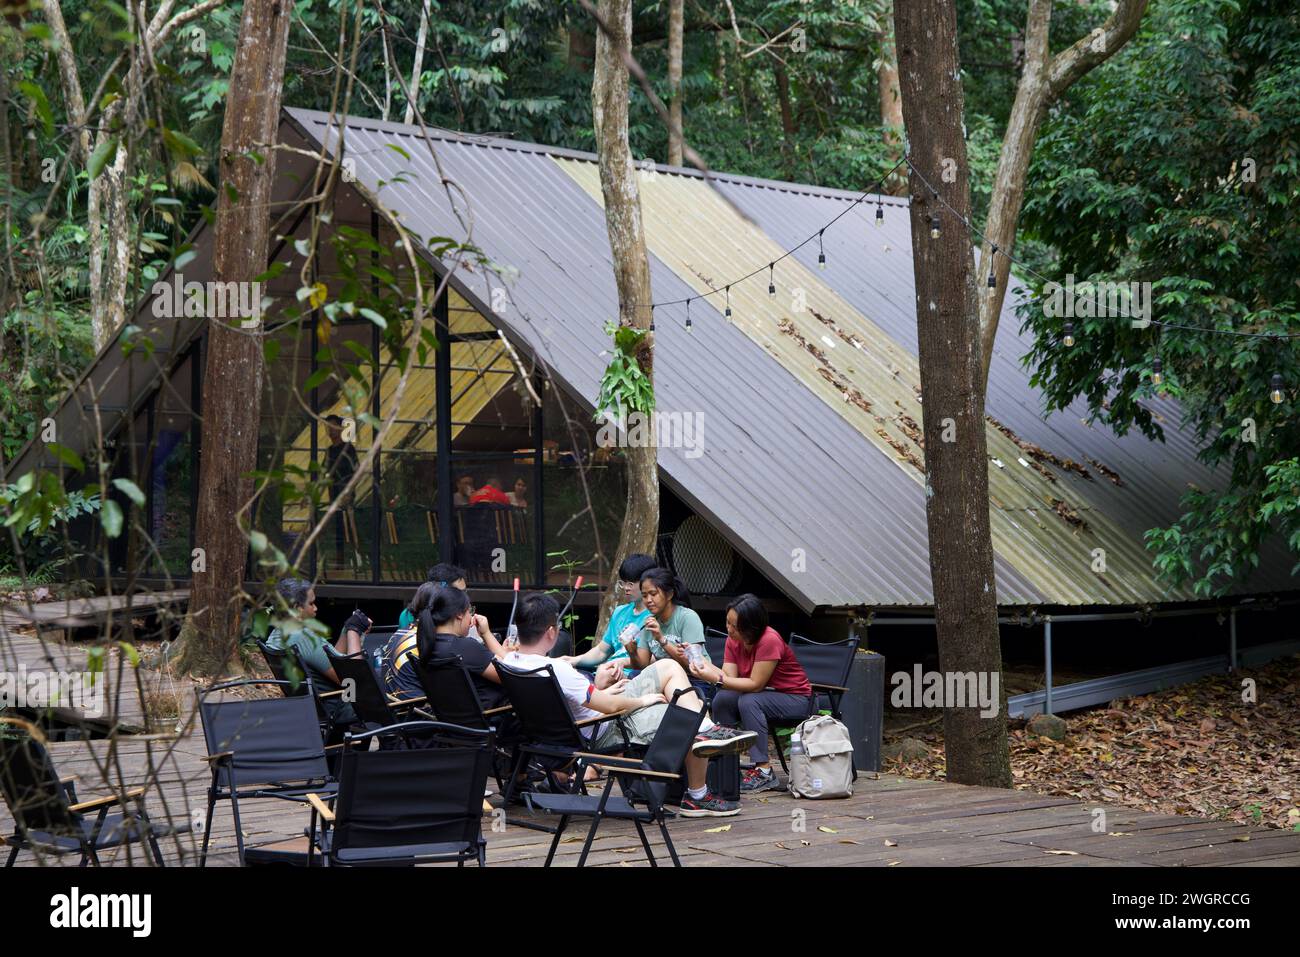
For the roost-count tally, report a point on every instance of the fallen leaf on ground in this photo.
(889, 843)
(717, 830)
(1065, 853)
(827, 830)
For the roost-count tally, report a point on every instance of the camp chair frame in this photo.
(65, 824)
(451, 696)
(645, 781)
(827, 665)
(276, 659)
(372, 704)
(417, 776)
(260, 748)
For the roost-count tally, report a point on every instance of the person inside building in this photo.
(490, 494)
(464, 489)
(624, 624)
(519, 497)
(760, 680)
(641, 703)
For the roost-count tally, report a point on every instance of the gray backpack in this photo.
(821, 759)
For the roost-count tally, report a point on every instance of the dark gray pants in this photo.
(752, 710)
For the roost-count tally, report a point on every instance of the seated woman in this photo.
(760, 679)
(671, 626)
(398, 672)
(443, 632)
(312, 649)
(624, 624)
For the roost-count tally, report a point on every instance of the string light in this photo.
(728, 312)
(934, 226)
(771, 279)
(880, 213)
(1067, 340)
(688, 315)
(1276, 389)
(652, 318)
(993, 279)
(821, 250)
(1157, 371)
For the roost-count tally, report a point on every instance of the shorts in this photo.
(640, 726)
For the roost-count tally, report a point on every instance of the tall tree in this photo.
(675, 82)
(891, 101)
(232, 374)
(618, 183)
(1044, 79)
(947, 319)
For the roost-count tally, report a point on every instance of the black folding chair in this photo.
(260, 748)
(407, 807)
(827, 665)
(644, 782)
(373, 645)
(375, 707)
(47, 815)
(550, 737)
(296, 680)
(449, 689)
(715, 643)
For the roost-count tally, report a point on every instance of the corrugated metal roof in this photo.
(822, 493)
(810, 415)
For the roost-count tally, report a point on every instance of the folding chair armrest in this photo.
(330, 694)
(604, 758)
(821, 687)
(219, 756)
(504, 709)
(643, 772)
(106, 801)
(321, 808)
(598, 719)
(395, 702)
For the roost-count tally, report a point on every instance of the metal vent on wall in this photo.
(704, 560)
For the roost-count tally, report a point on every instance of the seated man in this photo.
(641, 701)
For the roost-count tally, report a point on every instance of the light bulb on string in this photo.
(652, 318)
(1157, 371)
(993, 279)
(688, 315)
(771, 279)
(821, 250)
(727, 314)
(1276, 394)
(880, 213)
(1067, 339)
(934, 226)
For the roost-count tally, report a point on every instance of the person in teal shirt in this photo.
(611, 646)
(672, 626)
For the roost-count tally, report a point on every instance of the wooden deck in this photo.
(68, 614)
(889, 822)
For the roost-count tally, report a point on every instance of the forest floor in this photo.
(1197, 749)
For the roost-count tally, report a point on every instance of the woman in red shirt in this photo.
(760, 679)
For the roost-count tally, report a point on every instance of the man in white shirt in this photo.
(642, 700)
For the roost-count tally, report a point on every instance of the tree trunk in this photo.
(609, 98)
(417, 67)
(232, 375)
(1042, 82)
(675, 82)
(891, 102)
(787, 117)
(956, 481)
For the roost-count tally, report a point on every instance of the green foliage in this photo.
(1176, 164)
(624, 386)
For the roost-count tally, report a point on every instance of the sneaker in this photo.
(708, 806)
(758, 779)
(722, 740)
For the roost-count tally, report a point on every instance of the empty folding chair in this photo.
(48, 818)
(645, 782)
(407, 807)
(260, 748)
(296, 680)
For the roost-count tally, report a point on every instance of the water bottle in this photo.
(796, 744)
(694, 655)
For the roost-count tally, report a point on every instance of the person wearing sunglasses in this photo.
(624, 624)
